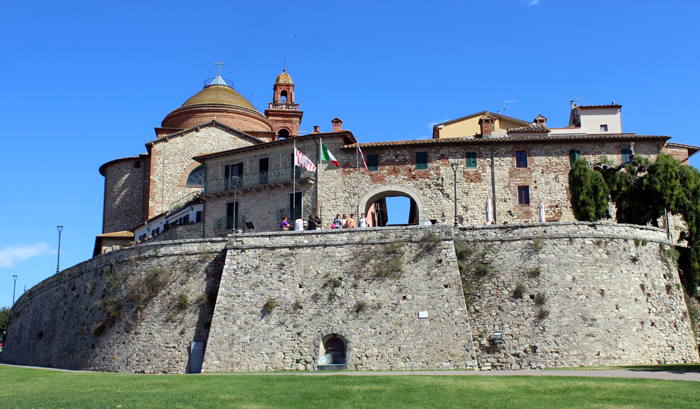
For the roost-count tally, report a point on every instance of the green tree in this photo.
(589, 193)
(4, 322)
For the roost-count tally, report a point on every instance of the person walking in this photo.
(363, 221)
(284, 224)
(299, 224)
(351, 221)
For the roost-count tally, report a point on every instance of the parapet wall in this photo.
(609, 295)
(119, 311)
(368, 286)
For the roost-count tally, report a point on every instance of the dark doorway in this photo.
(333, 353)
(264, 167)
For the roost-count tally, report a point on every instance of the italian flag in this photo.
(327, 155)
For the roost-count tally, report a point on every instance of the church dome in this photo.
(218, 101)
(218, 94)
(284, 78)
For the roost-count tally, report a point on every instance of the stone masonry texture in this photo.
(612, 298)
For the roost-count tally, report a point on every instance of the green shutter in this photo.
(470, 161)
(421, 160)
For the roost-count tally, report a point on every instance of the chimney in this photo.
(336, 124)
(487, 124)
(540, 120)
(316, 129)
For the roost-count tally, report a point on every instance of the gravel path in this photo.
(613, 373)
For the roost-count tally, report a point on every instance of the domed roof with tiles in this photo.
(218, 93)
(284, 78)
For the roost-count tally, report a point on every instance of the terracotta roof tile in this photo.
(123, 233)
(507, 139)
(532, 128)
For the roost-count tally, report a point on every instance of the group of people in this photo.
(346, 222)
(314, 223)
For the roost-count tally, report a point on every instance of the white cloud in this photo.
(17, 253)
(533, 3)
(432, 124)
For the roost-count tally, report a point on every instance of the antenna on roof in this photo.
(506, 106)
(580, 99)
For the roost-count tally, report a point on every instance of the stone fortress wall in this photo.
(592, 294)
(611, 297)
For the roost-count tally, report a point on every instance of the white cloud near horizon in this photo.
(11, 255)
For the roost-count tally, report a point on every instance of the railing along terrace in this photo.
(228, 223)
(257, 178)
(284, 105)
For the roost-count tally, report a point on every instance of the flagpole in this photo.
(319, 196)
(357, 177)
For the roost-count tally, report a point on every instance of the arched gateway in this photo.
(371, 203)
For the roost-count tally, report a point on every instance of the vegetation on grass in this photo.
(33, 388)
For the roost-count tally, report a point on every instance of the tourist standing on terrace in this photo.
(312, 223)
(363, 221)
(351, 221)
(299, 224)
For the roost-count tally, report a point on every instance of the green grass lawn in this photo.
(36, 388)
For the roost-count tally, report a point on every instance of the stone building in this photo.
(235, 163)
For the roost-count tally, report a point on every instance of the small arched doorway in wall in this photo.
(333, 353)
(382, 212)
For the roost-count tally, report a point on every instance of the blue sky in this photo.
(82, 83)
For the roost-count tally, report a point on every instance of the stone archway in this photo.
(382, 192)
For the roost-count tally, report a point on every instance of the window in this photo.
(421, 160)
(521, 159)
(198, 217)
(626, 155)
(604, 128)
(264, 166)
(574, 155)
(196, 177)
(156, 231)
(471, 160)
(373, 162)
(232, 215)
(233, 170)
(137, 165)
(294, 206)
(524, 195)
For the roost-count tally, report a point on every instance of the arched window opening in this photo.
(196, 177)
(333, 353)
(283, 97)
(283, 133)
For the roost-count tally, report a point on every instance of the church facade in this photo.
(218, 165)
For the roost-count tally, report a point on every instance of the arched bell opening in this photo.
(283, 133)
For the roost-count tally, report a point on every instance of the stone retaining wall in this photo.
(324, 283)
(64, 322)
(611, 295)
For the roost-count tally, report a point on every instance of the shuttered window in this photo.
(421, 160)
(470, 160)
(524, 195)
(574, 155)
(373, 162)
(521, 159)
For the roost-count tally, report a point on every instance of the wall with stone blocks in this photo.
(63, 321)
(181, 232)
(611, 297)
(324, 283)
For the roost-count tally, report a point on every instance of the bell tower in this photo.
(283, 112)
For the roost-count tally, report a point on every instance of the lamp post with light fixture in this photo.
(14, 277)
(58, 263)
(455, 165)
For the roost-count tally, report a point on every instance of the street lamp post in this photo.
(58, 263)
(14, 277)
(455, 165)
